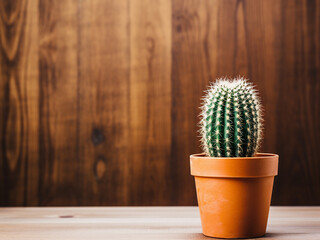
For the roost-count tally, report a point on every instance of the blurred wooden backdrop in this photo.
(99, 99)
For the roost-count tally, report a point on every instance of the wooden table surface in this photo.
(96, 223)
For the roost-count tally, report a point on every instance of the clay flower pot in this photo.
(234, 194)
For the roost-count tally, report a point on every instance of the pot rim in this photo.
(260, 165)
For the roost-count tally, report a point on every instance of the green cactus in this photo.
(231, 123)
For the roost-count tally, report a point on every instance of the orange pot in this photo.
(234, 194)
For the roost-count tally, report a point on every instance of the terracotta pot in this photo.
(234, 194)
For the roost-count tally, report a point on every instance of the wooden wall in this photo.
(99, 99)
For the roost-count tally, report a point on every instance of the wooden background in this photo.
(99, 99)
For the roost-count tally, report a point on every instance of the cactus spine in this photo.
(231, 123)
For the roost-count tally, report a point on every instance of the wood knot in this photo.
(97, 137)
(100, 168)
(150, 44)
(66, 216)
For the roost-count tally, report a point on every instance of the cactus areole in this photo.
(231, 123)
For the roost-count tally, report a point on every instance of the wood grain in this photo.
(189, 79)
(99, 99)
(103, 102)
(150, 102)
(300, 66)
(19, 84)
(58, 74)
(141, 223)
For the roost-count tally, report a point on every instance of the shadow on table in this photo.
(267, 236)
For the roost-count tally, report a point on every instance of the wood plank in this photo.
(150, 102)
(189, 80)
(299, 104)
(141, 223)
(58, 83)
(18, 103)
(103, 102)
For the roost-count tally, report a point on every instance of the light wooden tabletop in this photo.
(97, 223)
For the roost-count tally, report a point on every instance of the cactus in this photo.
(231, 123)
